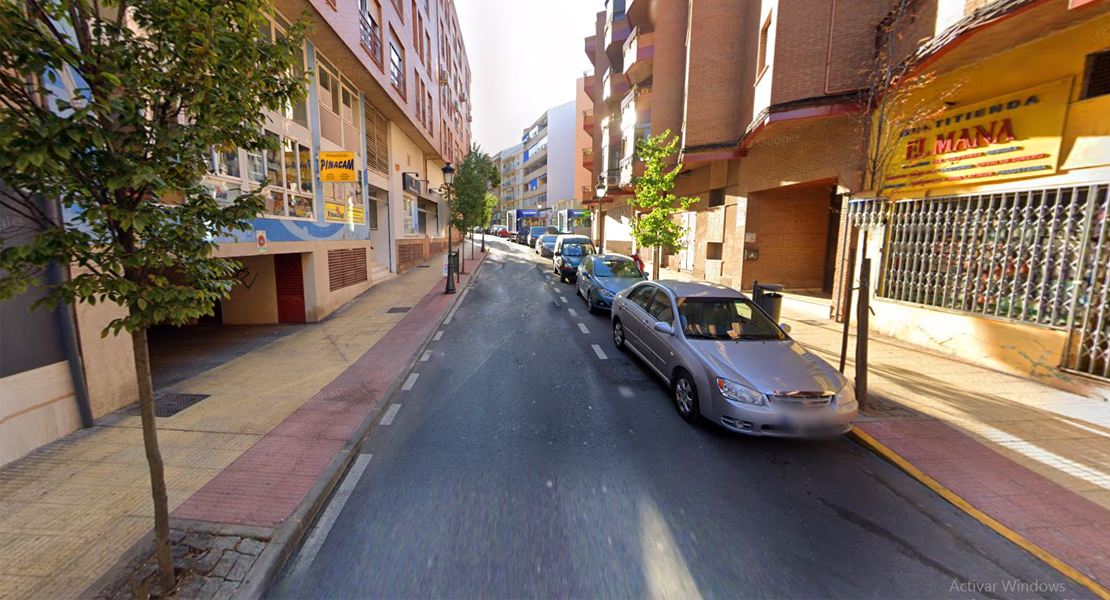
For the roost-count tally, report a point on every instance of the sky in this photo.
(525, 57)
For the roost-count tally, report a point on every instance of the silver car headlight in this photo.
(846, 397)
(604, 292)
(739, 392)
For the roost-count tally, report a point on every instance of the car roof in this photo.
(575, 236)
(611, 255)
(698, 289)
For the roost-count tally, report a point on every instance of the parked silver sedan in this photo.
(727, 361)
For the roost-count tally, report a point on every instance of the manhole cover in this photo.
(399, 309)
(423, 266)
(168, 404)
(814, 323)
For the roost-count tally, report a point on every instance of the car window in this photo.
(661, 308)
(641, 296)
(618, 267)
(585, 266)
(576, 248)
(725, 319)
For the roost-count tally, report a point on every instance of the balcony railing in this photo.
(397, 78)
(372, 39)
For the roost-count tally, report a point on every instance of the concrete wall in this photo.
(562, 163)
(109, 361)
(36, 407)
(254, 297)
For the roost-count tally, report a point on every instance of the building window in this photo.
(717, 197)
(410, 215)
(1096, 79)
(397, 66)
(227, 163)
(714, 251)
(764, 41)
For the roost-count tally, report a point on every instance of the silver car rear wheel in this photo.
(618, 332)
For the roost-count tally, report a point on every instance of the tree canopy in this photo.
(474, 176)
(656, 228)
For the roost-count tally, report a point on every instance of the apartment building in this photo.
(548, 164)
(769, 100)
(390, 84)
(511, 191)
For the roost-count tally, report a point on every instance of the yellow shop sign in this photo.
(337, 167)
(337, 212)
(1007, 137)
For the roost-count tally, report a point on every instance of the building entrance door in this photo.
(689, 221)
(290, 288)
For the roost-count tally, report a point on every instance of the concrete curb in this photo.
(288, 536)
(864, 439)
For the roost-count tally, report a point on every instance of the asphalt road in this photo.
(521, 464)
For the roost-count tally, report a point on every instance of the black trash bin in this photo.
(766, 297)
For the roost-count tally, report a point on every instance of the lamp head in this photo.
(448, 174)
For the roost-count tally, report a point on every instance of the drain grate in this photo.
(423, 266)
(813, 323)
(168, 404)
(399, 309)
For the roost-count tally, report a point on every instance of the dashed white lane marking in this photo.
(316, 539)
(597, 350)
(582, 326)
(572, 312)
(427, 355)
(563, 298)
(451, 315)
(411, 381)
(439, 334)
(625, 391)
(390, 414)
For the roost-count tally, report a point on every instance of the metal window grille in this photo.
(1097, 77)
(1016, 255)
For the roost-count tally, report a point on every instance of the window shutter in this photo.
(346, 267)
(377, 144)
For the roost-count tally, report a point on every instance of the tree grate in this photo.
(399, 309)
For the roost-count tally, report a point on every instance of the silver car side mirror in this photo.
(785, 327)
(664, 328)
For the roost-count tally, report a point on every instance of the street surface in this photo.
(530, 458)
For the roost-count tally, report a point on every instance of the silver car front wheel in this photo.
(685, 397)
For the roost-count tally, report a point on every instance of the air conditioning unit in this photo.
(443, 76)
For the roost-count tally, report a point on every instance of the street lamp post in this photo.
(448, 179)
(600, 216)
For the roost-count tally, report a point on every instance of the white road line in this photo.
(626, 391)
(427, 355)
(563, 298)
(451, 315)
(411, 381)
(572, 312)
(582, 326)
(439, 334)
(597, 350)
(390, 415)
(316, 539)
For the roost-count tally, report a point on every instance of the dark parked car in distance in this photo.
(568, 254)
(603, 276)
(545, 245)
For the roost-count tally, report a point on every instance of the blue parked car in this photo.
(569, 252)
(602, 276)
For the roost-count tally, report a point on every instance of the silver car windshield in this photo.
(725, 319)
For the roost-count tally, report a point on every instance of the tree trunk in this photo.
(162, 547)
(656, 258)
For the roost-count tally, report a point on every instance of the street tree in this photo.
(109, 111)
(656, 228)
(474, 176)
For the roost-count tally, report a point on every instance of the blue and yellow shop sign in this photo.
(337, 167)
(1006, 137)
(337, 212)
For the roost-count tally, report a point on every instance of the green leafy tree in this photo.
(108, 112)
(656, 228)
(487, 214)
(474, 176)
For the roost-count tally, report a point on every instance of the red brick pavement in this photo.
(264, 486)
(1067, 525)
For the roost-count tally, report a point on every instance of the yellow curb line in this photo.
(865, 440)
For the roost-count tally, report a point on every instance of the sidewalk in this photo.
(243, 457)
(1033, 458)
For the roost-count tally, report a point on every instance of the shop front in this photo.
(989, 237)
